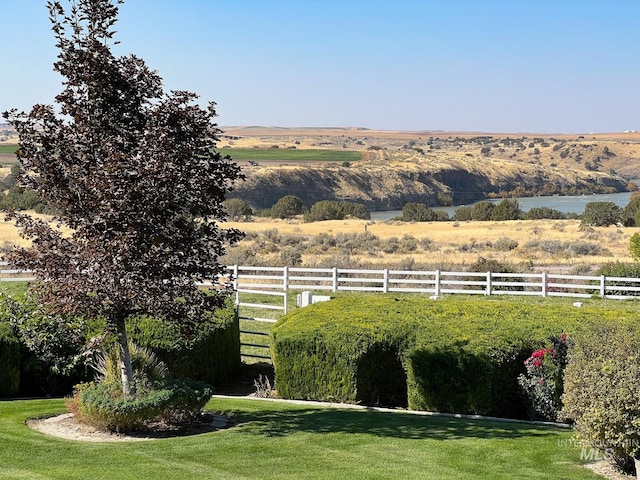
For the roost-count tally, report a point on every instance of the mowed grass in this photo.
(275, 440)
(291, 155)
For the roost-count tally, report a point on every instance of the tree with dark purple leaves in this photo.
(133, 172)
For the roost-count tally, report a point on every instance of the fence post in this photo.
(603, 286)
(385, 280)
(437, 285)
(285, 278)
(544, 283)
(285, 286)
(235, 283)
(335, 279)
(488, 291)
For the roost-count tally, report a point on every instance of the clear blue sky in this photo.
(543, 66)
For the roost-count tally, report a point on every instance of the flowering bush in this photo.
(542, 383)
(602, 397)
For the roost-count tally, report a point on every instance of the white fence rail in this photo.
(280, 280)
(262, 289)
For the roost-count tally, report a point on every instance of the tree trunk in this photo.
(126, 369)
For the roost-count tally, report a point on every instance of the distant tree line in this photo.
(291, 206)
(507, 209)
(596, 214)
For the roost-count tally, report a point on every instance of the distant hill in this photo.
(429, 166)
(434, 167)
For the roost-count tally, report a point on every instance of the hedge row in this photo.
(9, 361)
(451, 355)
(211, 354)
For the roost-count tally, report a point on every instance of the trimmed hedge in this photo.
(452, 355)
(9, 361)
(211, 355)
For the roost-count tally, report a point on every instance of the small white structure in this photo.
(305, 299)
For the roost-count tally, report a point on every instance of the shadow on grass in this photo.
(276, 423)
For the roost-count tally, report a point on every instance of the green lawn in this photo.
(262, 154)
(282, 441)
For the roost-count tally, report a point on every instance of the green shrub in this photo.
(51, 346)
(482, 211)
(325, 210)
(454, 355)
(9, 361)
(287, 207)
(507, 209)
(53, 349)
(335, 210)
(634, 246)
(601, 214)
(188, 398)
(103, 406)
(631, 211)
(540, 213)
(601, 387)
(420, 212)
(356, 210)
(157, 395)
(620, 269)
(210, 354)
(492, 265)
(238, 209)
(543, 383)
(463, 214)
(55, 340)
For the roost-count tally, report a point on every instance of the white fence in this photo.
(262, 289)
(277, 281)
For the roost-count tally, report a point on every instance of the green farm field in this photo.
(258, 154)
(291, 155)
(8, 148)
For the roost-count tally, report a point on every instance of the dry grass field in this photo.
(537, 245)
(10, 236)
(552, 245)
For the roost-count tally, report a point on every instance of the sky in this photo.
(503, 66)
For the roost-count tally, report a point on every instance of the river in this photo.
(566, 204)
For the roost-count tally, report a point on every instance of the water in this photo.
(566, 204)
